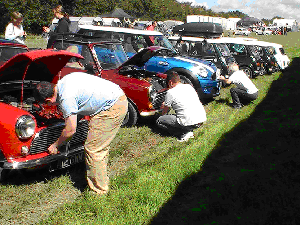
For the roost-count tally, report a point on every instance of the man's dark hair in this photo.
(43, 90)
(172, 76)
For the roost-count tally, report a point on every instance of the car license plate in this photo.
(68, 161)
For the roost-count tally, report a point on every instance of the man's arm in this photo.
(227, 81)
(66, 134)
(164, 109)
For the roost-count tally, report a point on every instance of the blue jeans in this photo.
(170, 124)
(241, 96)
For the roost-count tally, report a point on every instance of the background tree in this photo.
(38, 13)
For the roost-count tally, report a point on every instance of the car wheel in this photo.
(3, 174)
(247, 71)
(131, 116)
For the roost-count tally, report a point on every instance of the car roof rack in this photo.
(199, 29)
(74, 37)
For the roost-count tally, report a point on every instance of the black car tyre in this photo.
(247, 71)
(3, 174)
(131, 116)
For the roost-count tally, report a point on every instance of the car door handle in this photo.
(163, 63)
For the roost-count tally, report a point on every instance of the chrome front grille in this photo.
(159, 99)
(49, 135)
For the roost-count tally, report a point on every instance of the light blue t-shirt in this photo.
(85, 94)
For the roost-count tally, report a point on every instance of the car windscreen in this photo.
(163, 42)
(110, 56)
(254, 50)
(270, 50)
(8, 52)
(237, 49)
(225, 53)
(260, 51)
(223, 50)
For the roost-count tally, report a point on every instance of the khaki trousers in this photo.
(103, 127)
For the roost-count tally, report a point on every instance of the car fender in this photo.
(10, 144)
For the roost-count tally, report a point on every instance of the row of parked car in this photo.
(137, 60)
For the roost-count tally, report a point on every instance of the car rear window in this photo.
(8, 52)
(282, 51)
(238, 49)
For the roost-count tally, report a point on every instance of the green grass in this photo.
(241, 168)
(36, 41)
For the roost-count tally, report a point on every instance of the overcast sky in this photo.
(288, 9)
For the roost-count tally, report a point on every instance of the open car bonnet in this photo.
(142, 57)
(30, 65)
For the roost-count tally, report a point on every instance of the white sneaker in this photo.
(186, 136)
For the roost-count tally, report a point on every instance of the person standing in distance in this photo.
(152, 26)
(88, 95)
(189, 111)
(62, 25)
(14, 30)
(245, 91)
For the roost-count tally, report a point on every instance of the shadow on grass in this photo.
(253, 177)
(22, 177)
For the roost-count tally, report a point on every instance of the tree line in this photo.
(38, 13)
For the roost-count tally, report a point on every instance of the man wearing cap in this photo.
(88, 95)
(245, 91)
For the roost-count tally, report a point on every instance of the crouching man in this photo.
(190, 113)
(84, 94)
(245, 90)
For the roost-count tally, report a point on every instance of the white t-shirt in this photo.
(185, 101)
(14, 33)
(240, 79)
(85, 94)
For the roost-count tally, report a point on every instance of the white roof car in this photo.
(237, 40)
(282, 59)
(119, 30)
(242, 31)
(267, 31)
(211, 49)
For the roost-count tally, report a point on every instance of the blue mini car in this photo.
(202, 75)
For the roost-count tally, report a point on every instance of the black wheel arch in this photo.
(192, 77)
(137, 111)
(249, 67)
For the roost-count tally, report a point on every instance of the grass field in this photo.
(242, 167)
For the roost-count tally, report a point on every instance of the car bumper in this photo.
(48, 160)
(148, 113)
(210, 89)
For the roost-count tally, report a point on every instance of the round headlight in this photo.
(25, 127)
(200, 71)
(151, 93)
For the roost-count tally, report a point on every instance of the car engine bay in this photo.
(45, 114)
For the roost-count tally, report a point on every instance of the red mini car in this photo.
(28, 128)
(145, 90)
